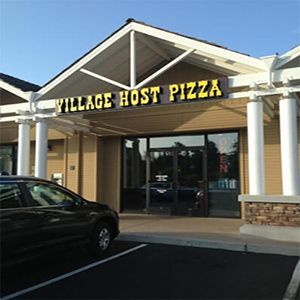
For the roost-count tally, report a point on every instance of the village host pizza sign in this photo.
(148, 96)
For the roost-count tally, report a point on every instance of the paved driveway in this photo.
(150, 271)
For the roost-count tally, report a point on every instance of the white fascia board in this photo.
(24, 95)
(13, 108)
(85, 59)
(233, 81)
(9, 119)
(220, 62)
(46, 104)
(252, 63)
(287, 57)
(269, 92)
(262, 77)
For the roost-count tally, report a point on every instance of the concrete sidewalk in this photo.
(216, 233)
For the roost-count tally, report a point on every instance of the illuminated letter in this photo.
(98, 101)
(191, 88)
(202, 85)
(134, 97)
(89, 103)
(108, 103)
(124, 98)
(80, 106)
(73, 107)
(145, 97)
(67, 105)
(155, 92)
(59, 104)
(174, 89)
(215, 89)
(182, 90)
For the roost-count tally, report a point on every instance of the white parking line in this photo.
(64, 276)
(294, 284)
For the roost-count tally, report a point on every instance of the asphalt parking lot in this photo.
(150, 271)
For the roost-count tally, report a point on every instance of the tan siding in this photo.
(73, 162)
(32, 159)
(110, 165)
(272, 158)
(89, 167)
(299, 143)
(100, 173)
(229, 114)
(9, 133)
(55, 158)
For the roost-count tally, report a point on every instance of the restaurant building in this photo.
(152, 121)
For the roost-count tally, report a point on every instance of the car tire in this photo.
(101, 238)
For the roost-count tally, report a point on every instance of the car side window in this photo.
(10, 195)
(47, 194)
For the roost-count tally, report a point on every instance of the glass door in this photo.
(161, 181)
(177, 181)
(190, 186)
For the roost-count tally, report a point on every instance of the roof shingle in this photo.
(23, 85)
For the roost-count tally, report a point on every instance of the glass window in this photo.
(223, 167)
(134, 173)
(47, 194)
(173, 141)
(10, 195)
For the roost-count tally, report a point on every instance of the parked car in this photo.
(37, 214)
(163, 192)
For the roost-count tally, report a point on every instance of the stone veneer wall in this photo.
(277, 214)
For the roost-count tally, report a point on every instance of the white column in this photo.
(256, 162)
(289, 147)
(132, 60)
(23, 148)
(41, 149)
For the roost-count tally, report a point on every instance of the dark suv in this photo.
(37, 214)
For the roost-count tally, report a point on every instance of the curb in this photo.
(242, 246)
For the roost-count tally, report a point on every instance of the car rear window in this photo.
(10, 195)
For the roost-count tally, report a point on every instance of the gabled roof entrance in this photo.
(110, 64)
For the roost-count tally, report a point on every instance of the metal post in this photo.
(41, 149)
(289, 147)
(256, 147)
(23, 148)
(132, 60)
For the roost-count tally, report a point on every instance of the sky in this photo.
(40, 38)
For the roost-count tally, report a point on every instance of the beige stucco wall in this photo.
(109, 166)
(89, 168)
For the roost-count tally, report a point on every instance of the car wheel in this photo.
(101, 238)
